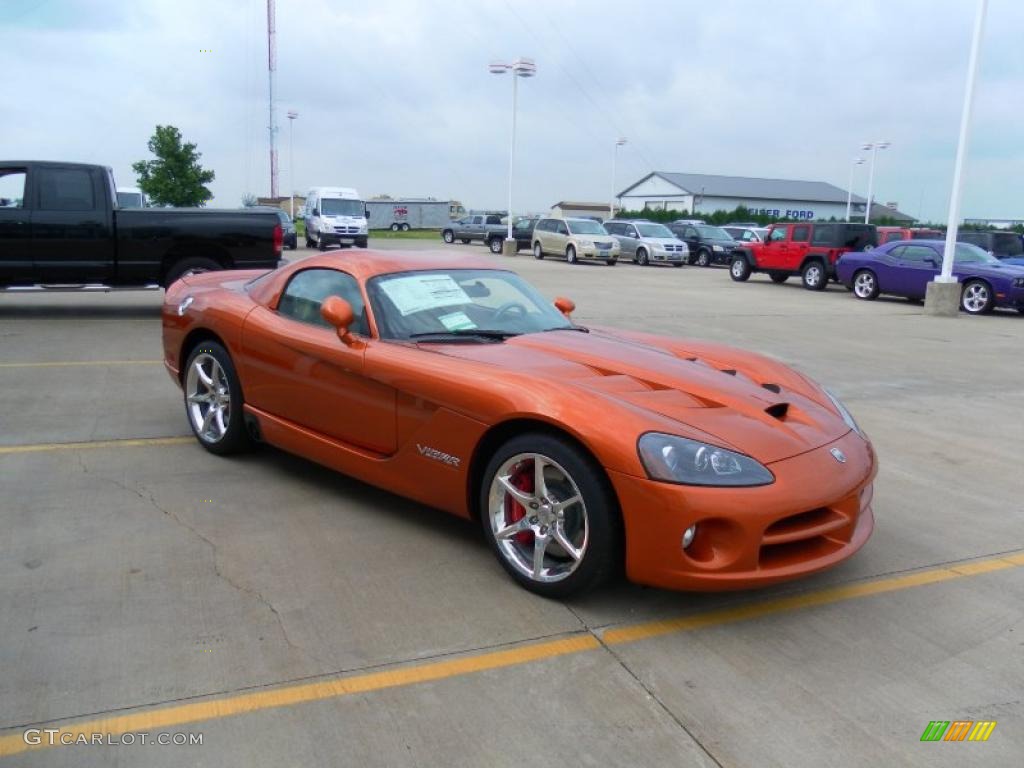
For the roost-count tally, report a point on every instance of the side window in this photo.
(65, 189)
(801, 234)
(918, 254)
(308, 289)
(898, 252)
(690, 232)
(631, 231)
(777, 235)
(494, 219)
(12, 188)
(562, 229)
(478, 220)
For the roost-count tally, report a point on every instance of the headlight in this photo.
(1018, 282)
(586, 243)
(673, 459)
(847, 416)
(717, 248)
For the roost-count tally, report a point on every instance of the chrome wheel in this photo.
(976, 298)
(864, 285)
(208, 397)
(703, 260)
(538, 518)
(738, 268)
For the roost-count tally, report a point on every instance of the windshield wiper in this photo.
(580, 328)
(462, 333)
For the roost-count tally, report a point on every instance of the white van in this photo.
(335, 216)
(131, 197)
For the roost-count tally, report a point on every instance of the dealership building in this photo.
(783, 198)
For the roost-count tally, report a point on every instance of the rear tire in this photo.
(405, 226)
(213, 400)
(778, 277)
(395, 227)
(814, 276)
(495, 245)
(865, 285)
(592, 526)
(739, 269)
(190, 266)
(464, 240)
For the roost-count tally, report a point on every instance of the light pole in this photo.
(849, 187)
(873, 147)
(942, 295)
(519, 68)
(292, 115)
(615, 157)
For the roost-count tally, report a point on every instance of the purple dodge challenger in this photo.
(905, 267)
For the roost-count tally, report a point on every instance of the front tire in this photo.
(550, 516)
(814, 276)
(976, 298)
(570, 254)
(213, 400)
(865, 285)
(642, 257)
(448, 236)
(703, 258)
(538, 252)
(395, 227)
(739, 269)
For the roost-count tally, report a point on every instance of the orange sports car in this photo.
(579, 450)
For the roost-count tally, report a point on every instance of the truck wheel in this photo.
(703, 258)
(405, 227)
(361, 242)
(395, 227)
(464, 240)
(320, 245)
(495, 245)
(642, 258)
(192, 266)
(538, 252)
(814, 276)
(865, 285)
(778, 277)
(448, 236)
(739, 270)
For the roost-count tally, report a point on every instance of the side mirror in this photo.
(366, 213)
(565, 306)
(338, 313)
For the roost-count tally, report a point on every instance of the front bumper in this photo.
(671, 257)
(593, 252)
(816, 514)
(721, 257)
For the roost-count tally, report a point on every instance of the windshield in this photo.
(654, 230)
(713, 233)
(459, 301)
(972, 254)
(335, 206)
(284, 217)
(129, 199)
(1007, 243)
(585, 227)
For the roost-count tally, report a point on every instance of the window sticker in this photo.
(416, 293)
(457, 321)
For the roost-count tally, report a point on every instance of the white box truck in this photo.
(410, 213)
(335, 216)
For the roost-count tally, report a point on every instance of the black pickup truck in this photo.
(66, 231)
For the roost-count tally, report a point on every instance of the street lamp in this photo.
(873, 148)
(942, 295)
(615, 157)
(849, 187)
(292, 115)
(519, 68)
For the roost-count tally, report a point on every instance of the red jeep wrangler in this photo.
(809, 249)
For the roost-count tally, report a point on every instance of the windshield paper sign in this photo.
(419, 292)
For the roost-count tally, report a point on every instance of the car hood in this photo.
(1005, 271)
(660, 240)
(738, 400)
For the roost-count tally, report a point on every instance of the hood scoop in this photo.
(778, 411)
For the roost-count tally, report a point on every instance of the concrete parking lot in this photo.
(292, 616)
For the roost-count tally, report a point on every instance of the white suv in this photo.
(576, 239)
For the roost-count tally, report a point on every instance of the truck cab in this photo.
(335, 216)
(808, 249)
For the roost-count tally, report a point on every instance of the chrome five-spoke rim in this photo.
(538, 517)
(864, 284)
(975, 297)
(208, 397)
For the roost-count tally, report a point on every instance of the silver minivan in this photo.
(647, 242)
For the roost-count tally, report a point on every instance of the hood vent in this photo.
(772, 388)
(778, 411)
(730, 371)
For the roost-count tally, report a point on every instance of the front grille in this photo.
(811, 534)
(603, 246)
(346, 230)
(674, 248)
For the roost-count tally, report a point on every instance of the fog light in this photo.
(688, 535)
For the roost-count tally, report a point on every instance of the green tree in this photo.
(249, 200)
(175, 177)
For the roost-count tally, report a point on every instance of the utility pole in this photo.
(271, 68)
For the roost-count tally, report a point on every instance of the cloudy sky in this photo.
(395, 97)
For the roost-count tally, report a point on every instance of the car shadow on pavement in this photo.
(121, 311)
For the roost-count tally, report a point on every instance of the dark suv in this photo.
(1002, 245)
(707, 244)
(522, 233)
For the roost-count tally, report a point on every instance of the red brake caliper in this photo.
(521, 479)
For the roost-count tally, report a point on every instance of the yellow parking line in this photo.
(72, 363)
(215, 708)
(141, 442)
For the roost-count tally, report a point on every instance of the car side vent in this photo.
(772, 388)
(779, 410)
